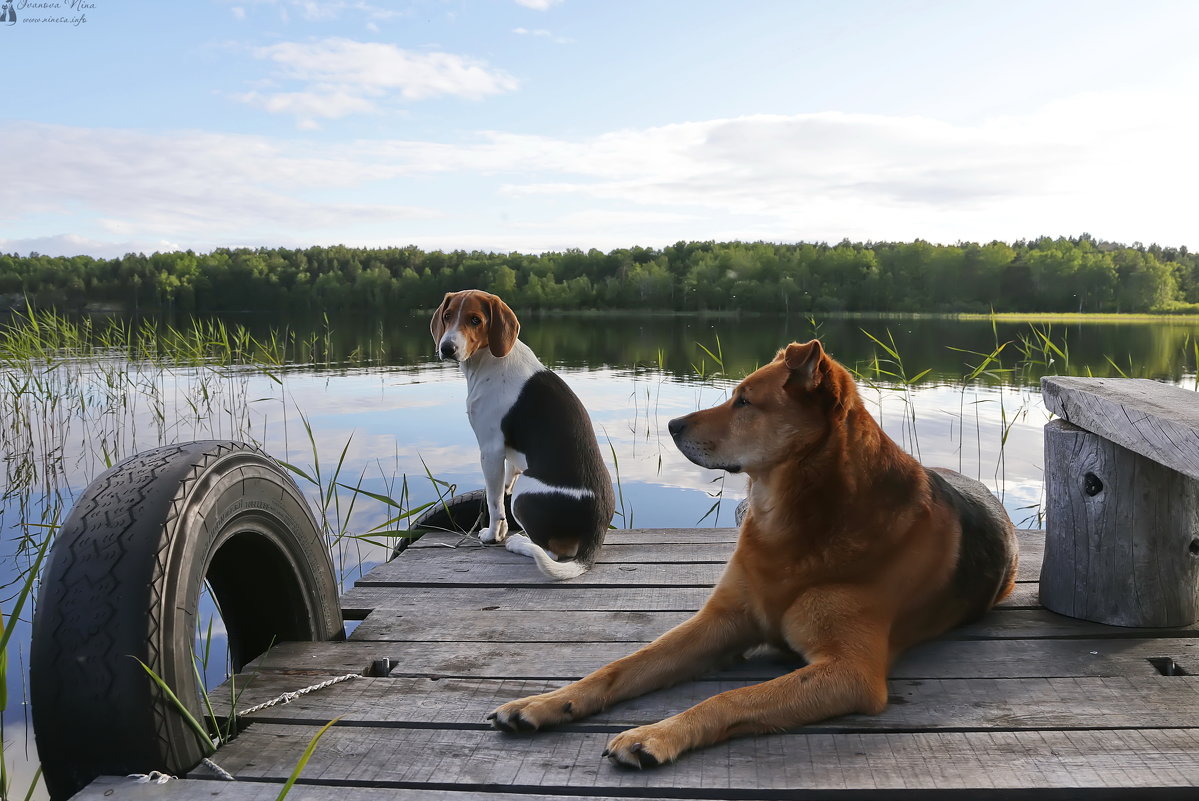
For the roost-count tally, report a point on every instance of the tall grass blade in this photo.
(392, 502)
(299, 472)
(307, 755)
(707, 514)
(718, 356)
(627, 519)
(201, 733)
(890, 349)
(37, 775)
(6, 632)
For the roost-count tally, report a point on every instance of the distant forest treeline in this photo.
(1043, 275)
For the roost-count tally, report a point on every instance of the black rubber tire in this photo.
(461, 514)
(124, 580)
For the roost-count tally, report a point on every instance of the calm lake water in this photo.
(374, 390)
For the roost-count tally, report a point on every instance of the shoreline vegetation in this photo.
(80, 394)
(1183, 316)
(1074, 276)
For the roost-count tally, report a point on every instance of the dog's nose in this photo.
(676, 426)
(448, 350)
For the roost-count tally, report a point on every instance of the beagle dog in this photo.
(528, 422)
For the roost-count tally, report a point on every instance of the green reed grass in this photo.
(386, 533)
(303, 761)
(717, 357)
(69, 393)
(1195, 353)
(716, 354)
(206, 740)
(894, 373)
(24, 593)
(625, 514)
(83, 381)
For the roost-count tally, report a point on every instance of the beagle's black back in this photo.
(549, 425)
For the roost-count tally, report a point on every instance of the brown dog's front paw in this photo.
(532, 713)
(643, 747)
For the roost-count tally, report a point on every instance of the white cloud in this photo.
(379, 66)
(323, 10)
(1096, 165)
(197, 187)
(1063, 169)
(541, 33)
(341, 76)
(73, 245)
(238, 12)
(333, 9)
(538, 5)
(332, 103)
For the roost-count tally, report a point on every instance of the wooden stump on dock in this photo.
(1122, 502)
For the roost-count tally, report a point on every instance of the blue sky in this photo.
(545, 124)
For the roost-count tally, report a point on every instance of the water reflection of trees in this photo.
(1157, 349)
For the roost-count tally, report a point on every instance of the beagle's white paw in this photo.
(496, 532)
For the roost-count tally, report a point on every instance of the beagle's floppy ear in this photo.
(503, 327)
(437, 324)
(806, 363)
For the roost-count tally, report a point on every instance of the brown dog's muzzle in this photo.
(699, 452)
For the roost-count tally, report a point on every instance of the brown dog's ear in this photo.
(503, 327)
(805, 363)
(437, 324)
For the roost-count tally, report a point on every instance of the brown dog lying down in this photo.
(850, 552)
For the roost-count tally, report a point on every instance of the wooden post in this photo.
(1122, 502)
(1121, 544)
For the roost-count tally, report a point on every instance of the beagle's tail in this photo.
(519, 543)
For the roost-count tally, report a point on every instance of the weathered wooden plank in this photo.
(649, 536)
(121, 788)
(1032, 552)
(1003, 623)
(655, 546)
(433, 625)
(1024, 595)
(358, 602)
(908, 765)
(939, 659)
(614, 537)
(693, 553)
(1158, 421)
(668, 565)
(950, 704)
(501, 569)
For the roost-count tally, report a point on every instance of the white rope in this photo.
(218, 770)
(289, 697)
(153, 776)
(162, 778)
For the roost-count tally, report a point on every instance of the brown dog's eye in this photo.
(475, 320)
(741, 400)
(447, 317)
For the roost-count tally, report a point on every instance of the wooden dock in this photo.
(1024, 703)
